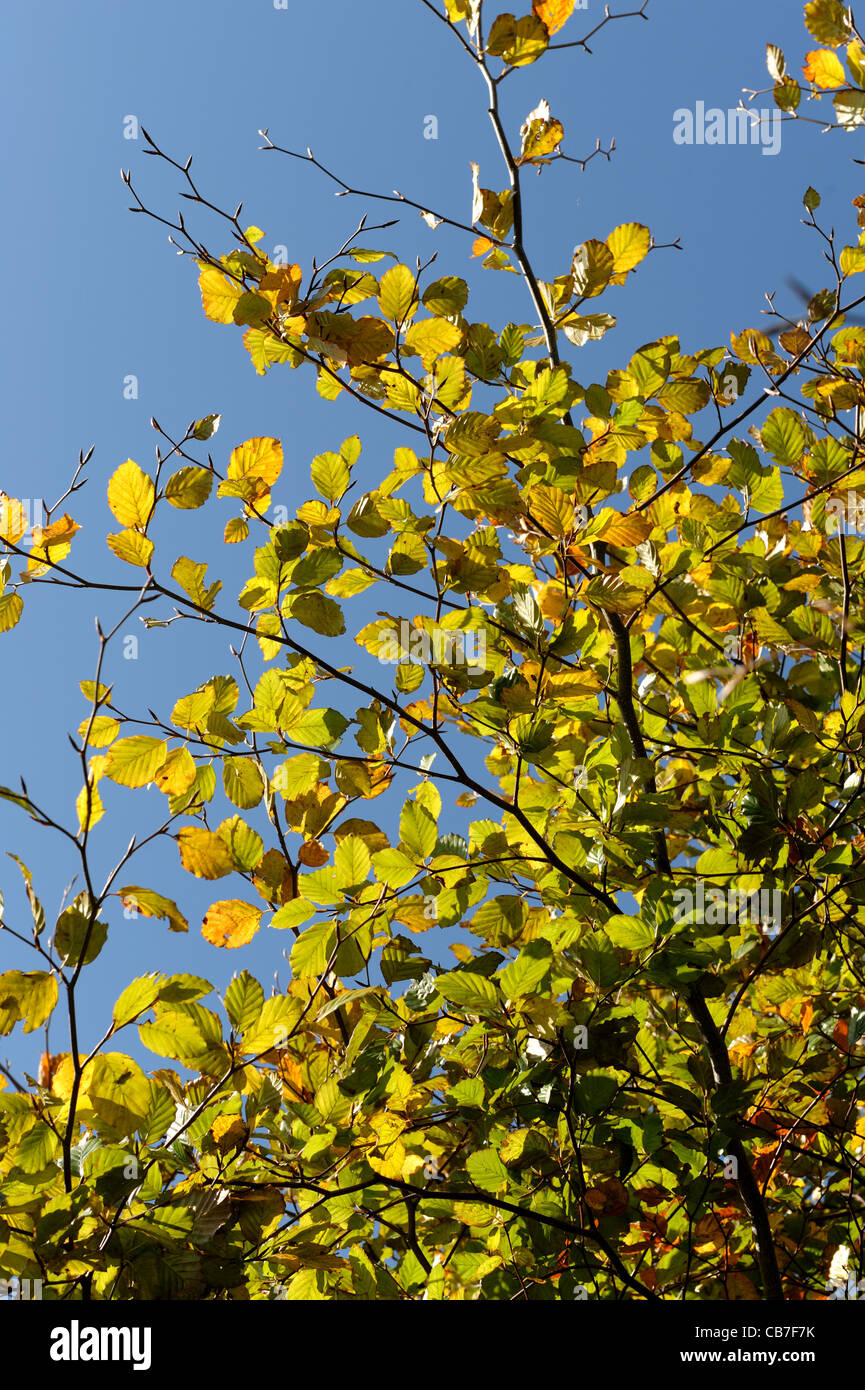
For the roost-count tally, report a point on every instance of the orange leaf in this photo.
(751, 648)
(553, 14)
(481, 245)
(313, 854)
(281, 285)
(824, 69)
(58, 533)
(231, 923)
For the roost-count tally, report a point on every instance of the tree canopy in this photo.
(607, 1043)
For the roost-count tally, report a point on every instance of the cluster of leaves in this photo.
(832, 24)
(604, 1095)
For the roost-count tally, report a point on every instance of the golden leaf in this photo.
(257, 458)
(218, 294)
(177, 773)
(229, 1132)
(553, 14)
(281, 285)
(204, 854)
(231, 923)
(130, 494)
(132, 547)
(825, 69)
(433, 337)
(629, 243)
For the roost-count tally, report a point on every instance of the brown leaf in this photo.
(313, 854)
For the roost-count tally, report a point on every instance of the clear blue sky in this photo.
(93, 294)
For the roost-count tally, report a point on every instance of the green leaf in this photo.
(330, 475)
(241, 779)
(631, 933)
(137, 998)
(317, 611)
(244, 1000)
(189, 488)
(351, 862)
(418, 830)
(469, 991)
(528, 971)
(486, 1170)
(446, 296)
(75, 928)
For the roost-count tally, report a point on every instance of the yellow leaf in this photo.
(102, 731)
(237, 529)
(191, 711)
(189, 488)
(89, 807)
(229, 1132)
(624, 530)
(824, 68)
(231, 923)
(541, 133)
(554, 510)
(133, 762)
(29, 996)
(389, 1163)
(572, 685)
(517, 41)
(397, 297)
(629, 244)
(431, 338)
(58, 533)
(13, 519)
(242, 782)
(218, 295)
(132, 547)
(853, 261)
(52, 542)
(204, 854)
(114, 1090)
(553, 14)
(281, 285)
(11, 608)
(257, 458)
(151, 904)
(494, 210)
(130, 495)
(177, 773)
(190, 576)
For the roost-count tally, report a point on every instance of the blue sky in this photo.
(95, 295)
